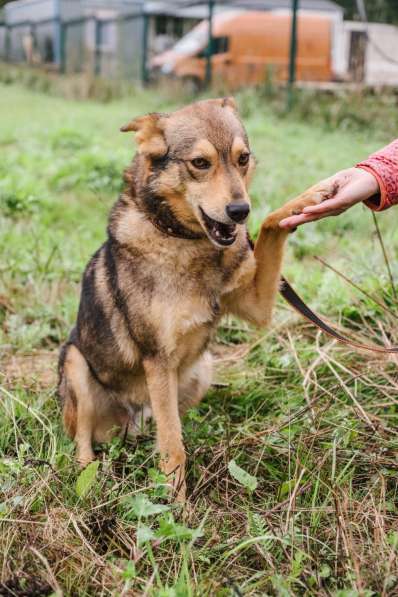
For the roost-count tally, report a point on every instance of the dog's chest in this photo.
(184, 319)
(182, 287)
(188, 305)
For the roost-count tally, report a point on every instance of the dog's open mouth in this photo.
(221, 234)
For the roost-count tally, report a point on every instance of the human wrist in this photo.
(372, 183)
(375, 197)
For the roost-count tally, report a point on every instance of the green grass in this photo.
(313, 424)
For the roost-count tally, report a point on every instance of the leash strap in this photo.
(290, 295)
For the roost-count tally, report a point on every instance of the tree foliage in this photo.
(383, 11)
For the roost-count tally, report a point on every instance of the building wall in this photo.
(21, 47)
(40, 10)
(47, 35)
(29, 10)
(381, 59)
(382, 45)
(70, 9)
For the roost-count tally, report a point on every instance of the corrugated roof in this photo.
(198, 8)
(326, 5)
(183, 8)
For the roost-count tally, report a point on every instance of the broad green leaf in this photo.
(17, 500)
(144, 533)
(142, 507)
(286, 487)
(325, 571)
(129, 572)
(169, 529)
(244, 478)
(86, 479)
(297, 563)
(281, 585)
(392, 539)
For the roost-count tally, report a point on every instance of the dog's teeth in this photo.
(218, 233)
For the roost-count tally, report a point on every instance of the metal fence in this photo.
(324, 49)
(111, 48)
(106, 47)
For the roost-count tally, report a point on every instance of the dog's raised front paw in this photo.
(316, 194)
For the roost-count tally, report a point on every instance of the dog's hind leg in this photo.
(194, 383)
(78, 380)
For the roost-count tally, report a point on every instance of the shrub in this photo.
(89, 170)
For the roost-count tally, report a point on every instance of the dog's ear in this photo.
(229, 102)
(225, 102)
(150, 134)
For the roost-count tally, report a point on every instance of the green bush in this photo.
(89, 170)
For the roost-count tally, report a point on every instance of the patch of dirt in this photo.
(102, 528)
(25, 585)
(38, 369)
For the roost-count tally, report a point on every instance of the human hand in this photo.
(349, 186)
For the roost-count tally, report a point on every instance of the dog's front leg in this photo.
(255, 301)
(163, 392)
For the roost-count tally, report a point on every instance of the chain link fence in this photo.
(109, 48)
(246, 43)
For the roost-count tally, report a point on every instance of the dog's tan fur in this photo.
(150, 301)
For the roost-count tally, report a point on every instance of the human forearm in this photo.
(383, 165)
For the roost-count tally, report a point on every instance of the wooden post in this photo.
(57, 33)
(293, 55)
(144, 49)
(8, 43)
(61, 41)
(208, 76)
(97, 50)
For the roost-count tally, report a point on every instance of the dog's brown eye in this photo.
(200, 163)
(243, 159)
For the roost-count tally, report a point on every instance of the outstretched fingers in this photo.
(294, 221)
(340, 203)
(304, 218)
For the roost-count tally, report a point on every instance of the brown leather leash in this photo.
(291, 296)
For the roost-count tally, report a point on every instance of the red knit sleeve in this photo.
(384, 166)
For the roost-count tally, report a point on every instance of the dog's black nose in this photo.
(238, 212)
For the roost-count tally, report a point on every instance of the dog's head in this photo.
(198, 159)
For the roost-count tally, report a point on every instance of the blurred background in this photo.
(232, 43)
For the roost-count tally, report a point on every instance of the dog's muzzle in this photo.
(220, 233)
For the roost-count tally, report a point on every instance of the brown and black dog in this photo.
(177, 259)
